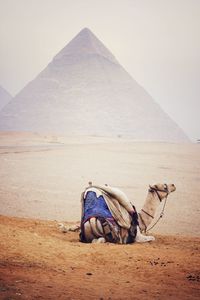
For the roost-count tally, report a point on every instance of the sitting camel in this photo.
(109, 216)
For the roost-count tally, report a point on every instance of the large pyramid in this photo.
(85, 91)
(5, 97)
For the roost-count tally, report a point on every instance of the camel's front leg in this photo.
(140, 238)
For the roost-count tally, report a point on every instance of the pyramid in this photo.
(85, 91)
(5, 97)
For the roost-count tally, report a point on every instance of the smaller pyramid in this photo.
(5, 97)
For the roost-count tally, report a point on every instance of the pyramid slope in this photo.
(85, 91)
(5, 97)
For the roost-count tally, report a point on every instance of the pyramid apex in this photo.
(85, 32)
(85, 42)
(85, 29)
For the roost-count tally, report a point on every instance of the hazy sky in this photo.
(156, 41)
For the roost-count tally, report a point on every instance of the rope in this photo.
(161, 215)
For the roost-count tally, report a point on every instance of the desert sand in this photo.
(42, 177)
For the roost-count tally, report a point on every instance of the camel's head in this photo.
(162, 189)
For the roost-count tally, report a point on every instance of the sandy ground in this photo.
(37, 261)
(41, 178)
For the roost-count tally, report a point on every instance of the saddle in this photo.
(107, 212)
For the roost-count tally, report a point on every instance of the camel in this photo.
(123, 225)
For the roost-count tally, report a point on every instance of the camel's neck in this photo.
(148, 211)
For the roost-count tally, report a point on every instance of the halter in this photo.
(166, 190)
(156, 190)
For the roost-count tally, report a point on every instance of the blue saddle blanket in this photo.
(95, 207)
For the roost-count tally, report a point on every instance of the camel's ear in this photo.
(151, 189)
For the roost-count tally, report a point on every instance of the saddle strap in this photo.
(111, 231)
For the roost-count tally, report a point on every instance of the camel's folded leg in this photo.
(99, 240)
(140, 238)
